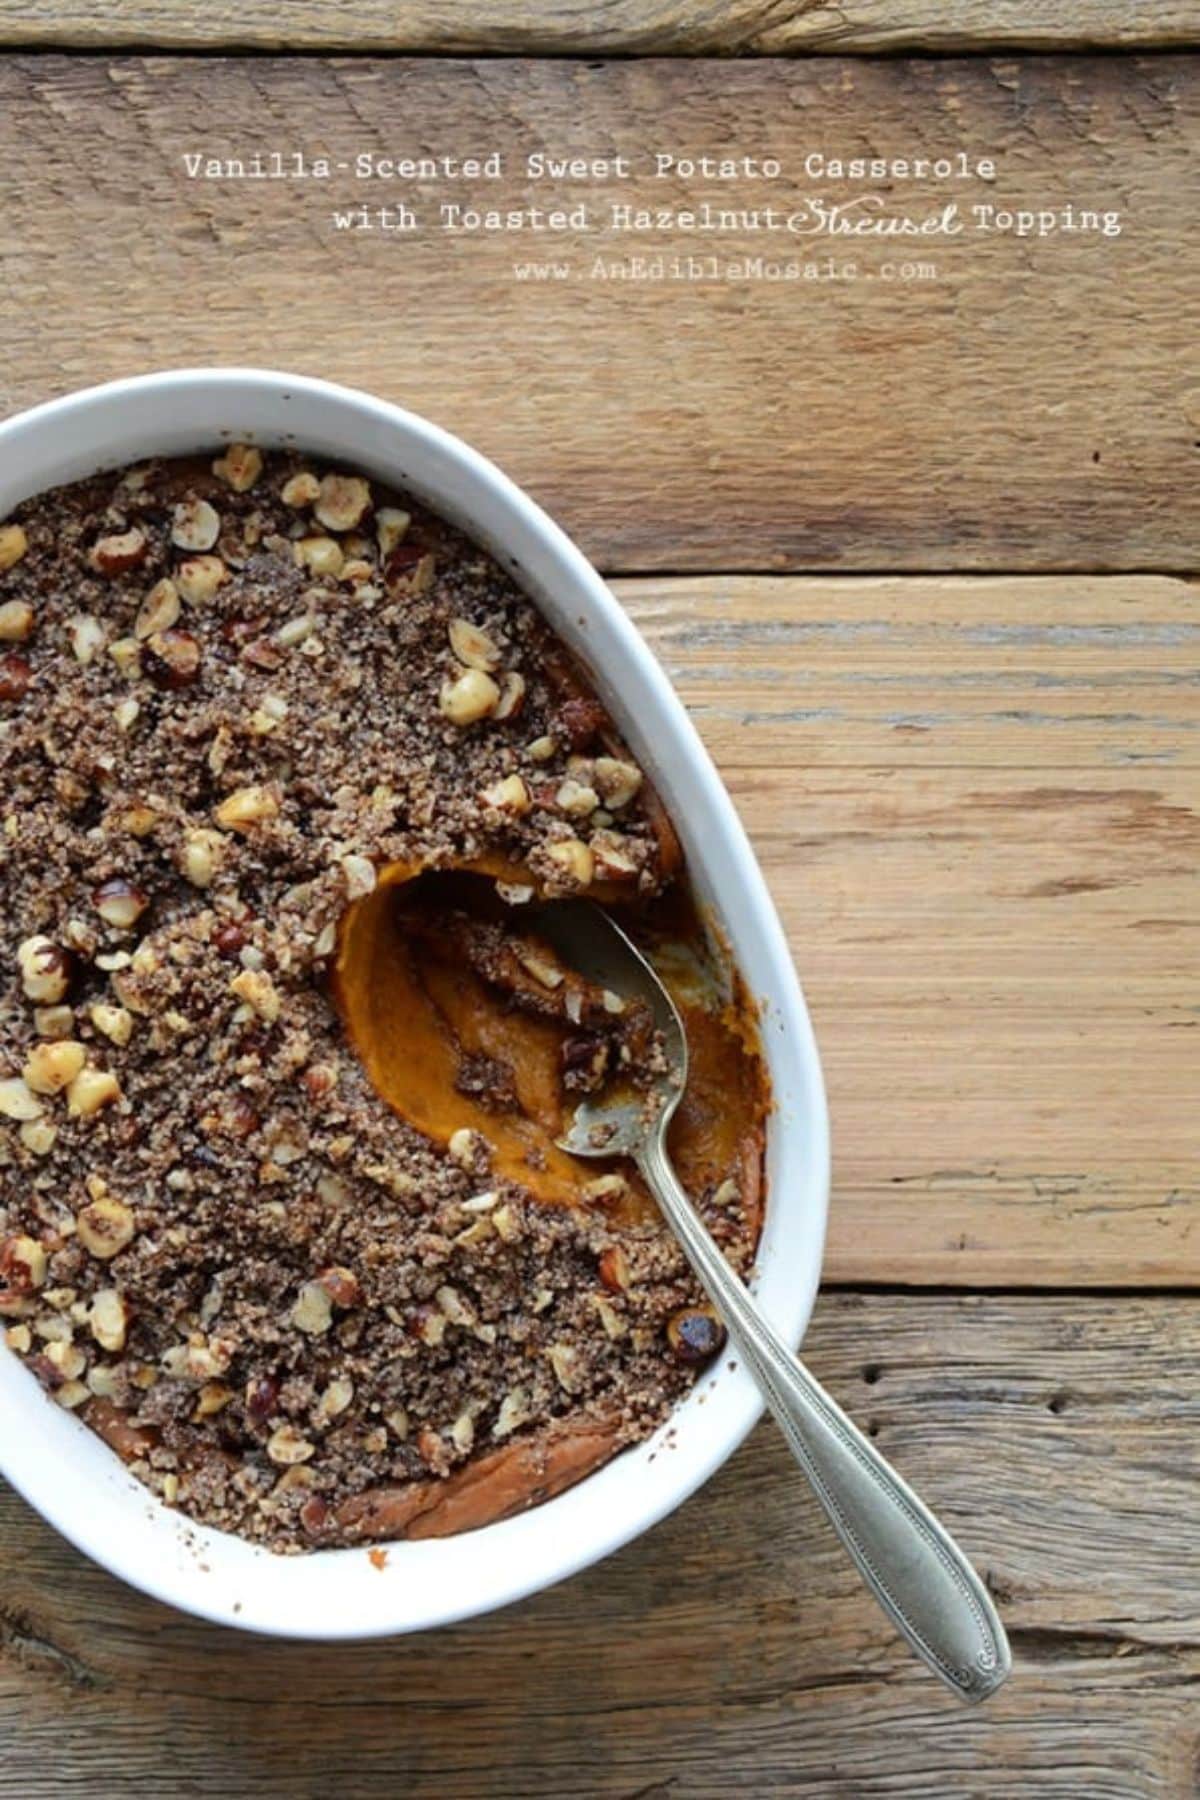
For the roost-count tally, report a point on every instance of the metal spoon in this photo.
(915, 1569)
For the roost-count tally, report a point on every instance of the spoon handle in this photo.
(913, 1566)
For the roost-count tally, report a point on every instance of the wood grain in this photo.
(629, 27)
(732, 1650)
(1030, 409)
(978, 806)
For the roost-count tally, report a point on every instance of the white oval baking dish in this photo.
(65, 1471)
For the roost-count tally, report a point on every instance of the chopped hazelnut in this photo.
(202, 854)
(104, 1227)
(313, 1310)
(507, 796)
(15, 677)
(341, 502)
(257, 989)
(38, 1136)
(53, 1021)
(301, 490)
(118, 554)
(239, 468)
(213, 1398)
(565, 1360)
(616, 781)
(390, 527)
(574, 859)
(335, 1400)
(172, 659)
(512, 695)
(245, 808)
(108, 1319)
(126, 654)
(86, 636)
(320, 555)
(614, 1269)
(573, 798)
(158, 611)
(341, 1284)
(612, 856)
(16, 621)
(23, 1264)
(51, 1067)
(468, 698)
(286, 1447)
(91, 1089)
(45, 970)
(18, 1100)
(472, 646)
(119, 902)
(360, 875)
(113, 1022)
(542, 749)
(195, 525)
(198, 578)
(13, 545)
(514, 1411)
(540, 965)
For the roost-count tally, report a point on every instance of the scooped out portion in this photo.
(288, 763)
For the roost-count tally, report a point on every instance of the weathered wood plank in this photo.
(1027, 409)
(978, 806)
(630, 27)
(732, 1650)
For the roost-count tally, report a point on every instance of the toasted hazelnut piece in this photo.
(507, 796)
(51, 1067)
(614, 1269)
(19, 1338)
(296, 631)
(13, 545)
(462, 1433)
(565, 1360)
(301, 490)
(463, 1146)
(239, 468)
(695, 1334)
(22, 1264)
(91, 1089)
(320, 555)
(341, 502)
(613, 857)
(574, 859)
(104, 1227)
(72, 1393)
(342, 1285)
(15, 677)
(195, 525)
(512, 695)
(66, 1357)
(158, 611)
(286, 1447)
(119, 902)
(108, 1318)
(541, 966)
(429, 1325)
(409, 571)
(573, 798)
(456, 1308)
(172, 659)
(53, 1022)
(213, 1398)
(245, 808)
(16, 621)
(118, 554)
(18, 1100)
(515, 893)
(507, 1223)
(203, 851)
(472, 646)
(398, 1421)
(541, 749)
(38, 1136)
(360, 875)
(514, 1412)
(126, 713)
(113, 1022)
(198, 578)
(313, 1309)
(86, 636)
(606, 1190)
(269, 715)
(335, 1400)
(256, 988)
(614, 1325)
(390, 526)
(470, 697)
(45, 970)
(126, 654)
(617, 781)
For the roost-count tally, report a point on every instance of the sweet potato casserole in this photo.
(286, 760)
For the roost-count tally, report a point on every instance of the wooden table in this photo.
(918, 558)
